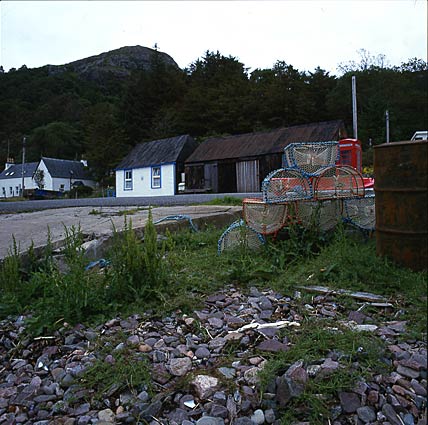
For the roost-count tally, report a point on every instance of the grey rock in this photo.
(270, 416)
(180, 366)
(391, 415)
(204, 386)
(350, 402)
(418, 388)
(82, 409)
(264, 303)
(366, 414)
(84, 420)
(258, 417)
(227, 372)
(159, 356)
(286, 389)
(67, 380)
(160, 374)
(217, 343)
(219, 411)
(407, 371)
(178, 416)
(244, 420)
(147, 410)
(133, 340)
(202, 353)
(215, 322)
(272, 345)
(210, 420)
(408, 419)
(143, 396)
(219, 397)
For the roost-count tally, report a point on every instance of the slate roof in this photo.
(15, 171)
(266, 142)
(60, 168)
(159, 152)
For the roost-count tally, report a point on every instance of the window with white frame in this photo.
(128, 180)
(11, 190)
(156, 177)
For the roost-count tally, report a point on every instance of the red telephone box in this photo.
(350, 153)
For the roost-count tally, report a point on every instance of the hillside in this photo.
(119, 62)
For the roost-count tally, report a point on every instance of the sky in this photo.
(305, 33)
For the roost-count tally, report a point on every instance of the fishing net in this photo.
(336, 182)
(361, 212)
(178, 218)
(325, 215)
(262, 217)
(311, 158)
(238, 234)
(285, 185)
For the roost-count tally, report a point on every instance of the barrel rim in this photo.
(402, 143)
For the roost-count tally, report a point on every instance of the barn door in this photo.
(247, 176)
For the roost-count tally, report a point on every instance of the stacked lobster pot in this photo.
(310, 189)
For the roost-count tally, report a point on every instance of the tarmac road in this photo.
(188, 199)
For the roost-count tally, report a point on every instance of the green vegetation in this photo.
(125, 370)
(180, 271)
(63, 114)
(225, 200)
(359, 355)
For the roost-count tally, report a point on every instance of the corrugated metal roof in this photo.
(264, 143)
(15, 170)
(64, 168)
(157, 152)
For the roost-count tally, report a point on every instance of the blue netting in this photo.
(238, 234)
(310, 158)
(361, 212)
(286, 185)
(178, 218)
(338, 182)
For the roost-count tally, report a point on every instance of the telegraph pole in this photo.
(354, 106)
(387, 125)
(23, 166)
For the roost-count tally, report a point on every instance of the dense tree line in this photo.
(68, 117)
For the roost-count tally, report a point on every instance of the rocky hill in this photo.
(117, 63)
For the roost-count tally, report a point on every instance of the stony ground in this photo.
(204, 367)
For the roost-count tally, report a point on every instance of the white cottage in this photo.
(48, 174)
(62, 174)
(154, 168)
(11, 178)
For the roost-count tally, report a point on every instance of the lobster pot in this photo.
(324, 215)
(311, 158)
(361, 212)
(401, 187)
(239, 235)
(285, 185)
(338, 182)
(262, 217)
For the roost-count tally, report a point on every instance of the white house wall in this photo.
(15, 184)
(58, 183)
(142, 182)
(47, 179)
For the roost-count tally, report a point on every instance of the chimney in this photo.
(9, 163)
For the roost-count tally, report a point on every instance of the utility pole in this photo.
(387, 125)
(354, 106)
(23, 165)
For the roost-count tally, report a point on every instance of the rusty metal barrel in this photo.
(401, 188)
